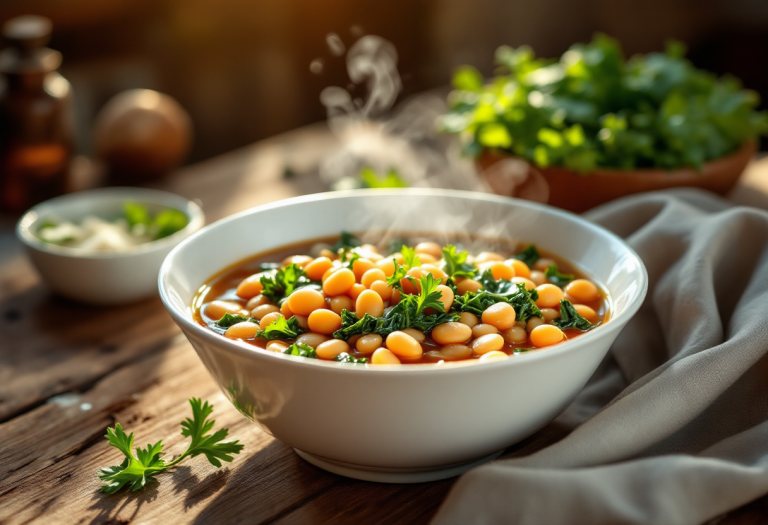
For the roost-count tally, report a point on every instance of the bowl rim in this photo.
(193, 211)
(243, 349)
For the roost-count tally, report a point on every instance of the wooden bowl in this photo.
(578, 192)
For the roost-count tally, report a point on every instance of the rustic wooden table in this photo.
(68, 371)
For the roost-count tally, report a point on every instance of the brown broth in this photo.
(222, 285)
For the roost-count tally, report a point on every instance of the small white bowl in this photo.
(103, 278)
(404, 423)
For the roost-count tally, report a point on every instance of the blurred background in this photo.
(242, 68)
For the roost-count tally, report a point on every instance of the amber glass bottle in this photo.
(36, 119)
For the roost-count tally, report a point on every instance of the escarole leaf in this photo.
(529, 256)
(301, 350)
(230, 319)
(557, 278)
(522, 300)
(346, 358)
(455, 263)
(570, 318)
(283, 282)
(281, 328)
(408, 313)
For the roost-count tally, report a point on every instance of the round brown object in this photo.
(142, 134)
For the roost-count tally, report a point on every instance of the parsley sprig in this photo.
(408, 313)
(410, 260)
(137, 470)
(283, 282)
(455, 263)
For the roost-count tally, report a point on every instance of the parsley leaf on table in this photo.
(137, 470)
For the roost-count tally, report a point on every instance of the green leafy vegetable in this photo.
(569, 318)
(136, 214)
(301, 350)
(346, 241)
(168, 222)
(283, 282)
(410, 260)
(522, 350)
(529, 256)
(408, 313)
(229, 319)
(392, 179)
(137, 470)
(522, 300)
(592, 108)
(455, 263)
(165, 223)
(346, 358)
(557, 278)
(281, 328)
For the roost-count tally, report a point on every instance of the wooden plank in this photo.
(50, 455)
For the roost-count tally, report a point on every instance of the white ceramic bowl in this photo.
(412, 422)
(103, 278)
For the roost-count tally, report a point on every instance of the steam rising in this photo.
(373, 134)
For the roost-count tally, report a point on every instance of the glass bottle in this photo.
(36, 117)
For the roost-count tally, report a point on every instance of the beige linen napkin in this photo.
(673, 427)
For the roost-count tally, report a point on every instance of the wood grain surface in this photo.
(67, 371)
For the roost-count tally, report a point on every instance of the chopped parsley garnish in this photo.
(557, 278)
(137, 470)
(570, 318)
(346, 358)
(301, 350)
(504, 291)
(522, 350)
(408, 313)
(529, 256)
(456, 264)
(283, 282)
(281, 328)
(410, 260)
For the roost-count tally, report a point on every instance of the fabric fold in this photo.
(673, 427)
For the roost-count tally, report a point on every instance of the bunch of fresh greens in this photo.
(137, 470)
(408, 313)
(594, 109)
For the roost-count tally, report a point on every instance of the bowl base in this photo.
(394, 475)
